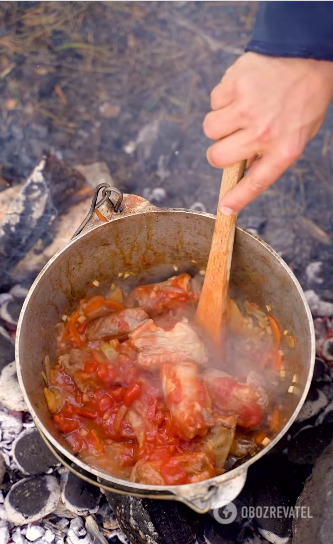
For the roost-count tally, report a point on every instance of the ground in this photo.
(128, 83)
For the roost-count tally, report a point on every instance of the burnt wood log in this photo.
(147, 521)
(31, 215)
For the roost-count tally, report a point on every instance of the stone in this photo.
(79, 496)
(31, 454)
(11, 395)
(153, 521)
(34, 532)
(309, 443)
(7, 349)
(96, 173)
(316, 401)
(31, 499)
(317, 498)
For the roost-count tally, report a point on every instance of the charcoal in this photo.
(10, 392)
(31, 454)
(317, 498)
(79, 496)
(327, 349)
(153, 521)
(315, 402)
(321, 372)
(10, 310)
(32, 499)
(4, 535)
(94, 532)
(47, 84)
(307, 445)
(32, 212)
(7, 350)
(2, 468)
(273, 528)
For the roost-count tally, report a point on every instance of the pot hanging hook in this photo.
(107, 190)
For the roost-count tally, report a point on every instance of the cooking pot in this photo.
(136, 238)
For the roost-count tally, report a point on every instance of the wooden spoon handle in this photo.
(213, 303)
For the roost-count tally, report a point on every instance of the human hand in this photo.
(266, 107)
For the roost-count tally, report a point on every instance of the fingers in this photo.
(221, 123)
(263, 173)
(232, 149)
(222, 95)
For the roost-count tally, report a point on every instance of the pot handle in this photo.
(112, 203)
(213, 495)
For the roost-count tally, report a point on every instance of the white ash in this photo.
(312, 272)
(318, 307)
(10, 392)
(4, 298)
(94, 532)
(34, 532)
(18, 291)
(77, 526)
(10, 427)
(17, 536)
(273, 538)
(198, 207)
(4, 314)
(4, 535)
(154, 195)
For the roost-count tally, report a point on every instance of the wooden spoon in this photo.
(213, 303)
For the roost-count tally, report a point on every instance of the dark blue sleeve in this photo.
(294, 29)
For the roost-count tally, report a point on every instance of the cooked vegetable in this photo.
(132, 394)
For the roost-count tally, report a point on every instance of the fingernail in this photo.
(226, 211)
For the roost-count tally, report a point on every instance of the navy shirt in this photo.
(294, 29)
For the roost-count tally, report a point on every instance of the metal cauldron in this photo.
(139, 238)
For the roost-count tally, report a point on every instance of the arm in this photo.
(269, 105)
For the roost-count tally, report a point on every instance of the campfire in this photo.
(83, 82)
(65, 508)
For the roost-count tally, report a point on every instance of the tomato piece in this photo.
(173, 473)
(94, 441)
(86, 413)
(132, 394)
(117, 393)
(151, 410)
(90, 367)
(94, 304)
(105, 402)
(113, 305)
(102, 371)
(65, 425)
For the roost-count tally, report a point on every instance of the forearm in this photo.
(294, 29)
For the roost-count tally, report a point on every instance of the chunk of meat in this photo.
(219, 439)
(233, 398)
(157, 297)
(186, 397)
(157, 346)
(116, 325)
(184, 468)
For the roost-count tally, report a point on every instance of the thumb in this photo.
(262, 173)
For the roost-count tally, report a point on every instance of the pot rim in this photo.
(193, 489)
